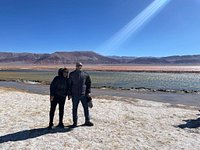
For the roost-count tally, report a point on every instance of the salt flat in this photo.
(119, 124)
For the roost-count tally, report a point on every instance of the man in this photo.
(79, 90)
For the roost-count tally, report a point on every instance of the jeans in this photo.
(75, 102)
(57, 100)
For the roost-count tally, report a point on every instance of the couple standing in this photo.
(77, 87)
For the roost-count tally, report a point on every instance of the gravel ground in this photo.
(119, 124)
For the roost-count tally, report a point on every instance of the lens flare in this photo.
(134, 25)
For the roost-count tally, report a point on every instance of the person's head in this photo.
(60, 71)
(65, 72)
(79, 65)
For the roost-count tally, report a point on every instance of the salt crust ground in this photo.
(119, 124)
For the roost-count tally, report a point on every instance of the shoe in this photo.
(88, 123)
(50, 126)
(74, 125)
(60, 125)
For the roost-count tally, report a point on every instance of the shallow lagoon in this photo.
(125, 80)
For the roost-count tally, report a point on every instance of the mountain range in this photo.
(90, 57)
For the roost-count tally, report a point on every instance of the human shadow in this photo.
(33, 133)
(190, 123)
(73, 127)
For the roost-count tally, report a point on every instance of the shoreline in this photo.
(109, 97)
(189, 99)
(136, 89)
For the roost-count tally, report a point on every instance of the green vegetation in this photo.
(39, 76)
(99, 79)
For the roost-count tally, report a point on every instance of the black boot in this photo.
(50, 126)
(60, 125)
(74, 125)
(88, 123)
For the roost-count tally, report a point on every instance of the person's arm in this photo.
(69, 87)
(88, 85)
(52, 88)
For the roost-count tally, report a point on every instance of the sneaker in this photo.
(60, 125)
(88, 123)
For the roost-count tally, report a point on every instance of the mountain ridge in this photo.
(90, 57)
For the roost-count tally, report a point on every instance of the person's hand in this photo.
(90, 104)
(51, 98)
(69, 97)
(88, 94)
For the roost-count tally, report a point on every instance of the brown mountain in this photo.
(185, 59)
(6, 57)
(89, 57)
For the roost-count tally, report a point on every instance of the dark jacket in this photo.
(79, 83)
(59, 86)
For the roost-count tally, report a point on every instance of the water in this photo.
(166, 81)
(173, 98)
(126, 80)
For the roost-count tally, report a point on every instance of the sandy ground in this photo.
(119, 124)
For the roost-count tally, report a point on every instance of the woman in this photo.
(58, 93)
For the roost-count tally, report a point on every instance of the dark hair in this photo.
(60, 71)
(65, 70)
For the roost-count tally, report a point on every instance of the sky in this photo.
(46, 26)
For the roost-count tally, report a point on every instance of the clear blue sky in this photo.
(46, 26)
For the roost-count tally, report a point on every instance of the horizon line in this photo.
(71, 51)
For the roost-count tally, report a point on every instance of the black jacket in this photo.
(59, 86)
(79, 83)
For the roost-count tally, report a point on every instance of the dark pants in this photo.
(75, 102)
(57, 100)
